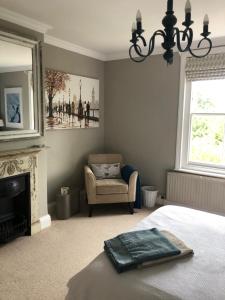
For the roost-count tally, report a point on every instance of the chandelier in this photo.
(171, 35)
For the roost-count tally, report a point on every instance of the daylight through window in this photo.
(201, 129)
(207, 122)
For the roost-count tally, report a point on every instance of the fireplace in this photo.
(15, 207)
(23, 192)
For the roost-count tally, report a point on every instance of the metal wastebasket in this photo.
(63, 206)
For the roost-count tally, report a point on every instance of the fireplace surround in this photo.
(23, 192)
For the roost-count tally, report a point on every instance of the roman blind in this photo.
(207, 68)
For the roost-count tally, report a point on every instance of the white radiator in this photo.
(201, 192)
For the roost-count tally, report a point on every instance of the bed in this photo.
(201, 276)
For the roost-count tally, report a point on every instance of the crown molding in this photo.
(16, 18)
(117, 55)
(218, 45)
(217, 42)
(19, 19)
(125, 54)
(48, 39)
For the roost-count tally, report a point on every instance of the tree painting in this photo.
(55, 82)
(72, 101)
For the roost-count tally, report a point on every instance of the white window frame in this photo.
(184, 126)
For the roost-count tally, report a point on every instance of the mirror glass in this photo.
(19, 116)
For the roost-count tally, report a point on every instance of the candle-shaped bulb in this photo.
(138, 16)
(188, 7)
(206, 20)
(134, 27)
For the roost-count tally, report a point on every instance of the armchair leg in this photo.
(90, 210)
(131, 207)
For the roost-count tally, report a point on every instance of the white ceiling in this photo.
(105, 25)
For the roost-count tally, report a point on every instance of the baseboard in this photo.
(160, 200)
(45, 221)
(167, 202)
(35, 227)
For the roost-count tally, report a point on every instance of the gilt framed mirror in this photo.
(21, 107)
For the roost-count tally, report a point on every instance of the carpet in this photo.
(39, 267)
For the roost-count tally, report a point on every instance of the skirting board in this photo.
(35, 227)
(166, 202)
(45, 222)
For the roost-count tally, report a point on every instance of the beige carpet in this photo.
(40, 266)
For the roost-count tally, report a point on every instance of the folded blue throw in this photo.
(126, 172)
(128, 250)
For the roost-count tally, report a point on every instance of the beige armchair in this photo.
(102, 191)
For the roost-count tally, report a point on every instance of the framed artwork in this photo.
(71, 101)
(13, 107)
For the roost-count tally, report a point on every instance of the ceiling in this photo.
(105, 25)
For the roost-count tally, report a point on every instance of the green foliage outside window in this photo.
(207, 133)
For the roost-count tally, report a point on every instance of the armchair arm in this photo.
(132, 186)
(90, 184)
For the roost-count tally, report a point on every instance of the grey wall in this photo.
(141, 105)
(69, 148)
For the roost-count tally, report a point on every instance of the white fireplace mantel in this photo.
(33, 161)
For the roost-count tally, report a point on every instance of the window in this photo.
(201, 127)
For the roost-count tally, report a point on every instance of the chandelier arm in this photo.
(132, 58)
(159, 32)
(143, 40)
(152, 40)
(187, 34)
(199, 44)
(138, 49)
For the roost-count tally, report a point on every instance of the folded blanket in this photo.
(128, 250)
(126, 172)
(184, 251)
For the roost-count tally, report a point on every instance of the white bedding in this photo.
(199, 277)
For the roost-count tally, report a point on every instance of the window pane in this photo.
(207, 139)
(208, 96)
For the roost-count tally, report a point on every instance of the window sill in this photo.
(201, 172)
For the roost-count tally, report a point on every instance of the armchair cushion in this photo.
(111, 186)
(103, 171)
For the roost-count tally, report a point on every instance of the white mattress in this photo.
(199, 277)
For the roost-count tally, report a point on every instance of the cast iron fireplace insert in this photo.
(15, 207)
